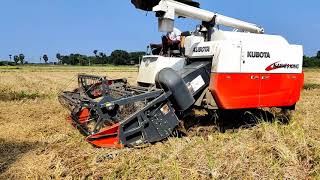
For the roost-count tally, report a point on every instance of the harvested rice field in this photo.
(37, 143)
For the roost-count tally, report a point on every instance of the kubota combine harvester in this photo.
(212, 69)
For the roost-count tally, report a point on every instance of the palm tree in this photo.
(16, 59)
(95, 52)
(10, 56)
(45, 58)
(59, 57)
(21, 58)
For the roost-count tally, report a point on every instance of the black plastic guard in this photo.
(149, 126)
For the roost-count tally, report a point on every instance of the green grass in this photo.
(311, 86)
(21, 95)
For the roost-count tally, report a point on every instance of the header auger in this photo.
(210, 69)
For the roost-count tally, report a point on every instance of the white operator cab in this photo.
(152, 64)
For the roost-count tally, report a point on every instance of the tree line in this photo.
(117, 57)
(20, 60)
(312, 61)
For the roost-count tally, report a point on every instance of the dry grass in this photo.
(36, 142)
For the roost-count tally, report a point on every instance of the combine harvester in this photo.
(212, 70)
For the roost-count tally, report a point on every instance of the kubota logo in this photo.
(201, 49)
(253, 54)
(278, 65)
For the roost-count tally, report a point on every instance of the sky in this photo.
(37, 27)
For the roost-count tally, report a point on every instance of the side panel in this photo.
(249, 90)
(273, 59)
(256, 75)
(280, 69)
(231, 88)
(200, 50)
(279, 90)
(235, 90)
